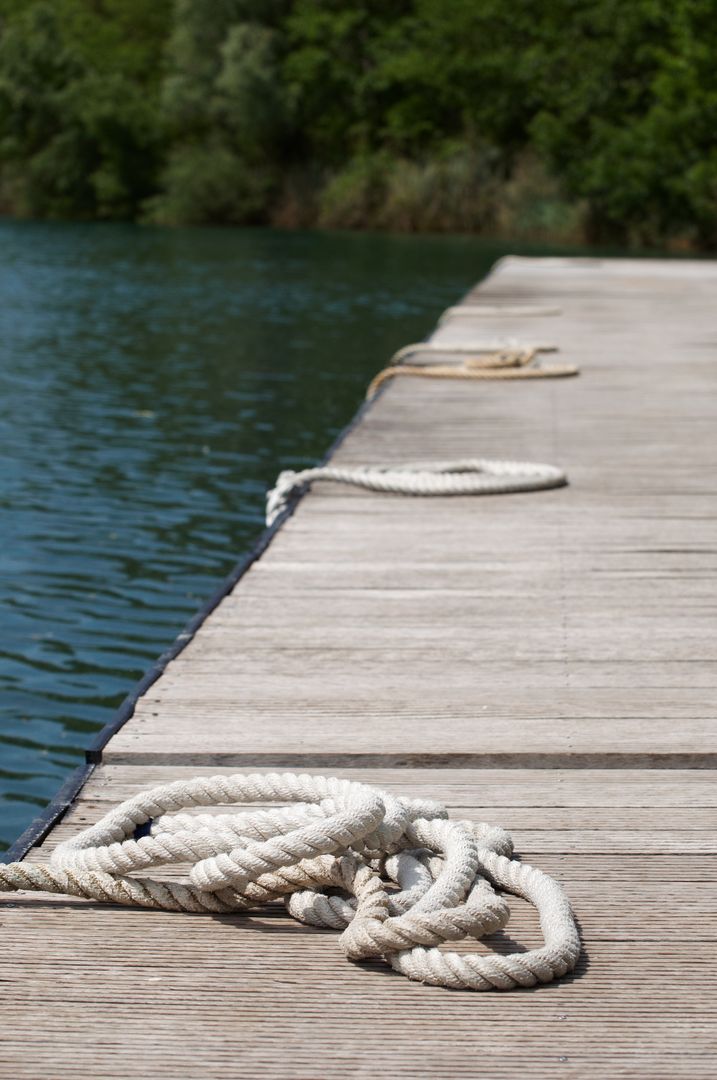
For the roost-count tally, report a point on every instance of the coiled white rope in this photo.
(479, 476)
(395, 875)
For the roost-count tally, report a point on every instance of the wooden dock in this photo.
(541, 661)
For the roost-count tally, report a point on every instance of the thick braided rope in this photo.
(480, 476)
(503, 364)
(394, 875)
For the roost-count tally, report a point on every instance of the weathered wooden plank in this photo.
(650, 790)
(281, 998)
(471, 726)
(571, 628)
(599, 587)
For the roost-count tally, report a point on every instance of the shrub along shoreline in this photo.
(566, 121)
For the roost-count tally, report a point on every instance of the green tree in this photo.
(225, 112)
(627, 112)
(78, 118)
(441, 114)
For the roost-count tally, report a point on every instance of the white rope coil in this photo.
(395, 875)
(479, 476)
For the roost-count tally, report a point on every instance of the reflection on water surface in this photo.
(152, 383)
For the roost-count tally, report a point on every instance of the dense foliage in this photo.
(567, 118)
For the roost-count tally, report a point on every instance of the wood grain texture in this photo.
(191, 995)
(545, 662)
(570, 626)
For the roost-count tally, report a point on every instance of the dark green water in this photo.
(152, 384)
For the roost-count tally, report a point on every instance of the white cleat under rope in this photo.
(394, 875)
(480, 476)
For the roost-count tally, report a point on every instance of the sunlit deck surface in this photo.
(542, 661)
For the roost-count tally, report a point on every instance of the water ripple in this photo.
(152, 384)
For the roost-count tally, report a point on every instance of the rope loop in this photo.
(471, 348)
(395, 875)
(477, 476)
(513, 362)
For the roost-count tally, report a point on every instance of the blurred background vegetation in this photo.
(586, 120)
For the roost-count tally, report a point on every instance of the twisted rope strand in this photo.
(478, 476)
(395, 875)
(514, 363)
(469, 348)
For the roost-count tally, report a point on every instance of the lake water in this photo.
(152, 384)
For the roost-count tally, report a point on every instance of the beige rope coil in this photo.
(479, 476)
(470, 348)
(514, 363)
(395, 875)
